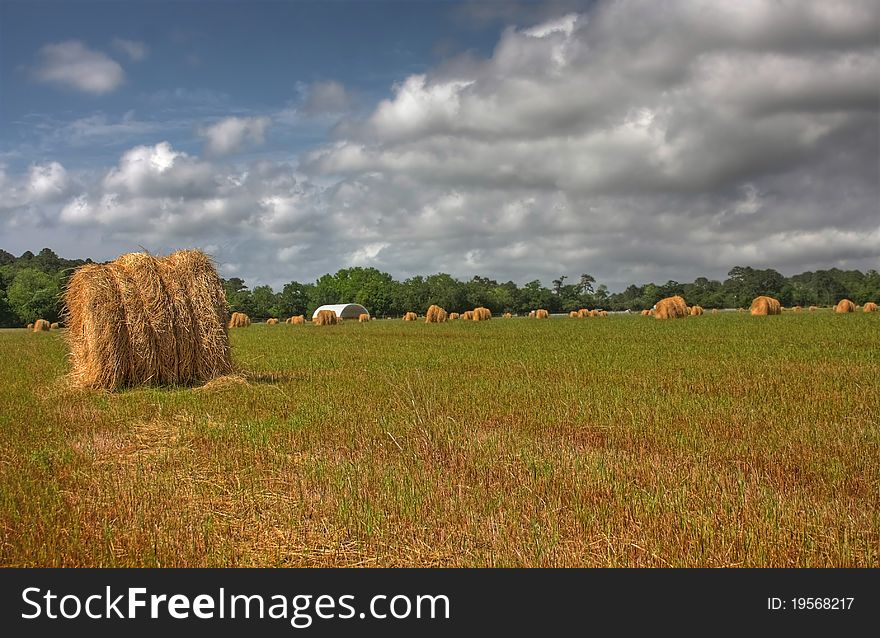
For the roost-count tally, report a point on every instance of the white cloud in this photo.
(73, 65)
(232, 134)
(134, 49)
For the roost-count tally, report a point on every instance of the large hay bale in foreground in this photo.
(540, 313)
(482, 314)
(763, 305)
(869, 307)
(671, 308)
(410, 316)
(40, 325)
(435, 314)
(696, 311)
(843, 306)
(325, 318)
(363, 317)
(453, 315)
(147, 320)
(271, 321)
(239, 320)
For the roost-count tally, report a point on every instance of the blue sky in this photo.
(515, 140)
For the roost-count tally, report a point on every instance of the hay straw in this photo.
(507, 315)
(869, 307)
(30, 326)
(531, 313)
(573, 314)
(239, 320)
(453, 315)
(271, 321)
(325, 318)
(296, 320)
(482, 314)
(435, 314)
(467, 315)
(583, 313)
(603, 313)
(813, 308)
(763, 306)
(645, 313)
(540, 313)
(147, 320)
(41, 325)
(410, 316)
(363, 317)
(54, 326)
(842, 307)
(696, 311)
(714, 311)
(671, 308)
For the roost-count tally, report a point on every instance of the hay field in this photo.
(723, 440)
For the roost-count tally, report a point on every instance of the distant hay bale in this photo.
(595, 312)
(54, 326)
(410, 316)
(540, 313)
(869, 307)
(603, 313)
(763, 305)
(482, 314)
(435, 314)
(239, 320)
(652, 312)
(30, 326)
(271, 321)
(645, 313)
(467, 315)
(671, 308)
(583, 313)
(696, 311)
(844, 306)
(507, 315)
(40, 325)
(813, 308)
(325, 318)
(296, 320)
(531, 313)
(147, 320)
(796, 308)
(453, 315)
(573, 314)
(740, 309)
(363, 317)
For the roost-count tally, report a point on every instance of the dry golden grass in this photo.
(435, 314)
(239, 320)
(540, 313)
(325, 318)
(844, 306)
(145, 320)
(763, 305)
(671, 308)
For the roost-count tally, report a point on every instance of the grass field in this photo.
(723, 440)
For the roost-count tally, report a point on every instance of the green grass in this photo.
(723, 440)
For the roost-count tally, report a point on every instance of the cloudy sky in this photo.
(636, 141)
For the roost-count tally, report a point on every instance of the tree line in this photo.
(31, 287)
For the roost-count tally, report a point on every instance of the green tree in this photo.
(34, 295)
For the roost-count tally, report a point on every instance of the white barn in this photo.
(343, 310)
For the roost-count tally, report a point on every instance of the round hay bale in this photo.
(813, 308)
(645, 313)
(796, 308)
(325, 318)
(453, 315)
(296, 320)
(763, 306)
(531, 313)
(468, 315)
(603, 313)
(573, 314)
(482, 314)
(696, 311)
(844, 306)
(435, 314)
(54, 326)
(272, 321)
(239, 320)
(507, 315)
(40, 325)
(147, 320)
(30, 326)
(714, 311)
(410, 316)
(671, 308)
(869, 307)
(540, 313)
(583, 313)
(363, 317)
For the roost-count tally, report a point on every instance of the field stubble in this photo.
(727, 440)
